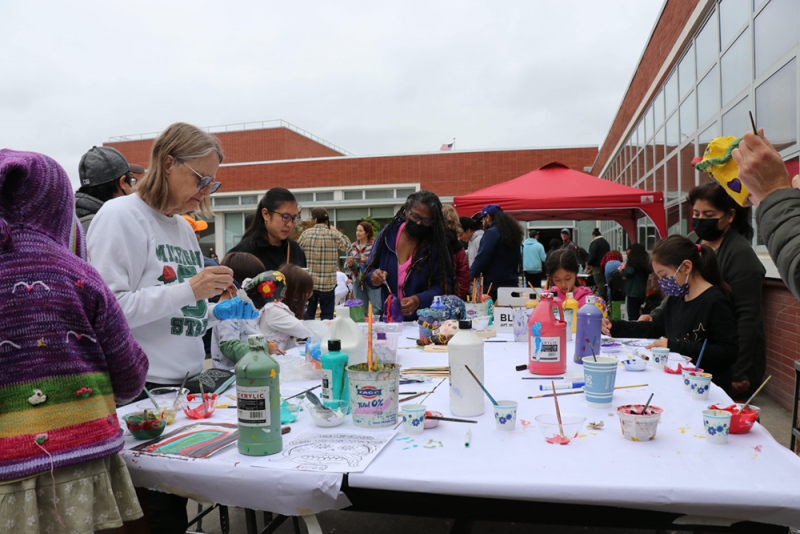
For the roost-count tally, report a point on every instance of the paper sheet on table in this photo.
(328, 452)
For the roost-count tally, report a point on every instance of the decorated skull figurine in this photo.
(269, 286)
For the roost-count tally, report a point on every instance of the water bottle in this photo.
(589, 324)
(547, 339)
(465, 349)
(334, 377)
(258, 400)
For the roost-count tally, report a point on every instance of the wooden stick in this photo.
(558, 410)
(753, 122)
(480, 384)
(412, 397)
(488, 290)
(746, 404)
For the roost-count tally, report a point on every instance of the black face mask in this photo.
(707, 229)
(417, 231)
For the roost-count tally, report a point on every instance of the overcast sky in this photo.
(370, 77)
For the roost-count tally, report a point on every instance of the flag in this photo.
(447, 147)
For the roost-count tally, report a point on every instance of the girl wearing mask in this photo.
(699, 309)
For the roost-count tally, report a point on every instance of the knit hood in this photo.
(36, 194)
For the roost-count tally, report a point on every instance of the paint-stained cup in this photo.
(637, 426)
(599, 377)
(373, 395)
(413, 418)
(685, 375)
(521, 316)
(717, 424)
(505, 415)
(699, 385)
(660, 357)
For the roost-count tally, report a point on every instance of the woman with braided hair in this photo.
(411, 255)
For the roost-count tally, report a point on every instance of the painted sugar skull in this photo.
(269, 286)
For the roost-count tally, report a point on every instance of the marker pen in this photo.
(562, 385)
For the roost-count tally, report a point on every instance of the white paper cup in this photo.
(717, 424)
(699, 385)
(505, 415)
(413, 418)
(660, 357)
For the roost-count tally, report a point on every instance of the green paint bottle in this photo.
(258, 400)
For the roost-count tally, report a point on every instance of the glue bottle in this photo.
(335, 386)
(465, 349)
(570, 309)
(589, 324)
(547, 339)
(258, 400)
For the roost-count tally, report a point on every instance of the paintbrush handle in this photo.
(436, 417)
(562, 393)
(412, 397)
(480, 384)
(746, 404)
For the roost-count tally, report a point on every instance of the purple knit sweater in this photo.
(66, 352)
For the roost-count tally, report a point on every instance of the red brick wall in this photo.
(782, 320)
(446, 173)
(674, 17)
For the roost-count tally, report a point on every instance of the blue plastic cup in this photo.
(599, 377)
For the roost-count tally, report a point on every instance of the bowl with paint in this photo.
(330, 414)
(145, 424)
(560, 433)
(432, 423)
(741, 423)
(634, 363)
(638, 426)
(168, 400)
(200, 406)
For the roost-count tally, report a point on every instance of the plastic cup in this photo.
(717, 425)
(699, 385)
(521, 316)
(637, 426)
(197, 408)
(165, 397)
(413, 418)
(685, 375)
(599, 377)
(660, 357)
(563, 434)
(505, 415)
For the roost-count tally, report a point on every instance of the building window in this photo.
(708, 96)
(249, 200)
(382, 212)
(707, 43)
(404, 193)
(776, 32)
(735, 68)
(379, 193)
(324, 196)
(688, 173)
(658, 108)
(304, 197)
(737, 121)
(705, 138)
(353, 195)
(226, 201)
(686, 76)
(234, 229)
(648, 125)
(671, 93)
(673, 135)
(688, 117)
(776, 106)
(671, 171)
(733, 14)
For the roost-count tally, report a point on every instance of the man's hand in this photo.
(761, 168)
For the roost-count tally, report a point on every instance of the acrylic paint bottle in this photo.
(589, 323)
(258, 400)
(465, 348)
(547, 339)
(335, 386)
(570, 309)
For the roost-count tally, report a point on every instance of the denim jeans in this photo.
(326, 300)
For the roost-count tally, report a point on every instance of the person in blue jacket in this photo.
(411, 255)
(498, 258)
(533, 258)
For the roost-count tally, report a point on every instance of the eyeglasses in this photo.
(287, 217)
(130, 179)
(413, 217)
(203, 181)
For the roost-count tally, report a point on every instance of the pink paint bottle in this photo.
(547, 339)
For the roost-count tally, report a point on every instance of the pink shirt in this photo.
(402, 268)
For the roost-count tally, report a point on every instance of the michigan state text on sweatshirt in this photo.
(147, 259)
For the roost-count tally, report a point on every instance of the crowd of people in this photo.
(112, 294)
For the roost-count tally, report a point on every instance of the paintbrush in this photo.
(746, 404)
(558, 410)
(699, 358)
(644, 410)
(303, 392)
(562, 394)
(753, 122)
(152, 400)
(412, 397)
(437, 418)
(434, 389)
(480, 384)
(180, 390)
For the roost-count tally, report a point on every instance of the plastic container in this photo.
(740, 423)
(166, 396)
(637, 426)
(329, 418)
(560, 434)
(200, 406)
(634, 363)
(145, 424)
(547, 340)
(374, 394)
(384, 348)
(465, 349)
(334, 377)
(353, 342)
(589, 323)
(258, 397)
(570, 312)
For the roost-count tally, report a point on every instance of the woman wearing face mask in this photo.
(719, 222)
(411, 255)
(499, 255)
(699, 309)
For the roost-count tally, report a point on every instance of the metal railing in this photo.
(238, 127)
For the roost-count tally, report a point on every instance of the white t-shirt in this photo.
(147, 258)
(277, 322)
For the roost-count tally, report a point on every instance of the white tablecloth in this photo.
(752, 477)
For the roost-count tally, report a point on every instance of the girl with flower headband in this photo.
(284, 304)
(698, 311)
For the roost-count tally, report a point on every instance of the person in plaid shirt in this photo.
(322, 246)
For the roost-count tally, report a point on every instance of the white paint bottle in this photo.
(465, 348)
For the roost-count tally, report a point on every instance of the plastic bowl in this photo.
(571, 425)
(481, 323)
(145, 424)
(197, 409)
(634, 363)
(432, 423)
(740, 423)
(637, 426)
(334, 416)
(165, 397)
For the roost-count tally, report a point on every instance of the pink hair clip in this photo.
(698, 246)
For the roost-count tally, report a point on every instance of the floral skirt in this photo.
(90, 496)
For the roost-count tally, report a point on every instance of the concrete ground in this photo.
(773, 416)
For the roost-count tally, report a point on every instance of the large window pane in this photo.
(379, 193)
(304, 197)
(737, 121)
(234, 229)
(707, 45)
(634, 170)
(353, 195)
(659, 180)
(686, 75)
(708, 96)
(323, 197)
(687, 170)
(383, 212)
(648, 125)
(672, 177)
(660, 141)
(671, 92)
(776, 32)
(640, 140)
(688, 117)
(733, 14)
(658, 109)
(350, 214)
(404, 193)
(673, 135)
(226, 201)
(735, 68)
(776, 106)
(706, 136)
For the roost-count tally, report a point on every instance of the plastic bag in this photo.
(294, 368)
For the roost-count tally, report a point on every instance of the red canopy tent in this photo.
(555, 191)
